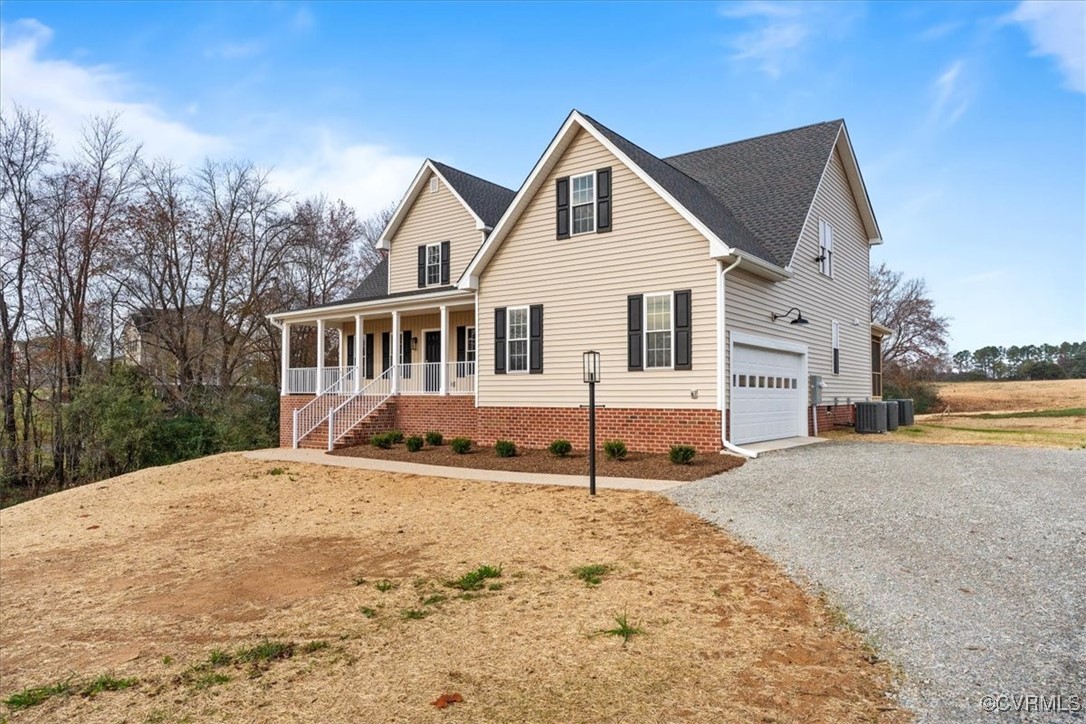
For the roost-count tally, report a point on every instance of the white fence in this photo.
(418, 378)
(303, 380)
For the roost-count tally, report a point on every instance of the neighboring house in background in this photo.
(689, 274)
(163, 342)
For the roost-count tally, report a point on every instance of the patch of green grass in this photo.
(367, 611)
(38, 695)
(623, 628)
(495, 587)
(202, 679)
(314, 646)
(266, 650)
(434, 599)
(219, 658)
(1065, 412)
(912, 430)
(276, 471)
(469, 596)
(592, 574)
(106, 682)
(384, 586)
(1000, 431)
(167, 660)
(412, 614)
(473, 580)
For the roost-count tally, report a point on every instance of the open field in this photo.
(232, 589)
(1020, 414)
(1011, 396)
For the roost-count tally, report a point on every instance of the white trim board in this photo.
(413, 192)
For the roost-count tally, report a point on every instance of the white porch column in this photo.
(284, 353)
(342, 349)
(359, 368)
(320, 355)
(444, 388)
(395, 352)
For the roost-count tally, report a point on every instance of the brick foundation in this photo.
(646, 430)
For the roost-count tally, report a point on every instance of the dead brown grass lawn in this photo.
(219, 553)
(1012, 396)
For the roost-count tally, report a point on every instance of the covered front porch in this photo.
(414, 350)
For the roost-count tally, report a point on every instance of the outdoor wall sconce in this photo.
(798, 320)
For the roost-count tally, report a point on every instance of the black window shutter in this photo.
(499, 341)
(836, 361)
(562, 207)
(535, 339)
(682, 330)
(603, 199)
(634, 331)
(422, 265)
(386, 351)
(444, 262)
(368, 352)
(405, 351)
(461, 350)
(350, 350)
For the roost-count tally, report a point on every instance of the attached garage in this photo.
(768, 389)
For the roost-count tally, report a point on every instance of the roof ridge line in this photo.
(468, 173)
(754, 138)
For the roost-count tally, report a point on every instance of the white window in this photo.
(583, 201)
(469, 344)
(836, 341)
(825, 247)
(517, 339)
(433, 184)
(658, 330)
(433, 263)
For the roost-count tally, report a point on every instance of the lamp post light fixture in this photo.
(798, 320)
(591, 362)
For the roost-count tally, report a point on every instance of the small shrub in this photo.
(615, 449)
(276, 471)
(560, 448)
(682, 454)
(505, 448)
(473, 580)
(592, 574)
(434, 438)
(395, 435)
(383, 441)
(413, 443)
(460, 445)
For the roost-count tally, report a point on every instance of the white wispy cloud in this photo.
(68, 94)
(777, 32)
(952, 95)
(304, 160)
(1057, 29)
(940, 30)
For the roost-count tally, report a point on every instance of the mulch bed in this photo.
(636, 465)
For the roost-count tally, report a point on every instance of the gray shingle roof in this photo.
(768, 182)
(374, 286)
(488, 200)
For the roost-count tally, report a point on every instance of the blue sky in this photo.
(969, 119)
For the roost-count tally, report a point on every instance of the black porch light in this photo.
(798, 320)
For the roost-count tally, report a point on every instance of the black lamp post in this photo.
(591, 377)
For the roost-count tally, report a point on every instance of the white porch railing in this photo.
(355, 408)
(461, 378)
(303, 380)
(420, 378)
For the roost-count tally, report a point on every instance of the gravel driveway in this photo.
(966, 566)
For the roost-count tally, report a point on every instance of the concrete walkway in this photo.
(318, 457)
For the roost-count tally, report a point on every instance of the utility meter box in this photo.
(814, 389)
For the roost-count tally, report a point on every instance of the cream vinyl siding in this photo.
(823, 300)
(582, 283)
(433, 218)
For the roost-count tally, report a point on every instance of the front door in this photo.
(432, 357)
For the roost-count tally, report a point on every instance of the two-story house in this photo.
(714, 284)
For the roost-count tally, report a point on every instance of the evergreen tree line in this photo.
(133, 327)
(1026, 362)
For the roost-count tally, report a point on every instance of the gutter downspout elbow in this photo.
(722, 376)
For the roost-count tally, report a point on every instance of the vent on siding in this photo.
(870, 417)
(433, 184)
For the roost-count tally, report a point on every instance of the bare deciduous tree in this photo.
(904, 306)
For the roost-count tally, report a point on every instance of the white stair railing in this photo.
(343, 418)
(334, 391)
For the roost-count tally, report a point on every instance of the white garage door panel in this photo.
(768, 392)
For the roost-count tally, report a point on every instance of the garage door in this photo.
(768, 394)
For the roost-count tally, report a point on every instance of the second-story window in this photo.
(518, 339)
(433, 264)
(584, 202)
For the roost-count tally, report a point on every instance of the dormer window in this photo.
(584, 202)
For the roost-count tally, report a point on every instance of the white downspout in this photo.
(722, 373)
